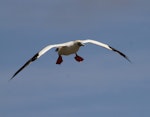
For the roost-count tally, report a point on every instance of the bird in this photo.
(66, 49)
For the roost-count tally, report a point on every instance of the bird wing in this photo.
(39, 54)
(105, 46)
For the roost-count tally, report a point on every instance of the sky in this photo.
(104, 84)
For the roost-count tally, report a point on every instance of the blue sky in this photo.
(104, 84)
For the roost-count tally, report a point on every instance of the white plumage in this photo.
(68, 48)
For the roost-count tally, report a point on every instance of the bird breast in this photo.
(67, 50)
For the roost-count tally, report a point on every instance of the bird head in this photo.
(79, 43)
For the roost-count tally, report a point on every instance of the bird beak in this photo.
(81, 44)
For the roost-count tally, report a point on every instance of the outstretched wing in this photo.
(105, 46)
(36, 56)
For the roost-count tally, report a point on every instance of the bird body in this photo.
(68, 48)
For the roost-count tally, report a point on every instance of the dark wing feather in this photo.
(26, 64)
(120, 53)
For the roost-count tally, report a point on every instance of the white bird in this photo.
(68, 48)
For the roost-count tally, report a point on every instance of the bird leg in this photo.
(59, 60)
(78, 58)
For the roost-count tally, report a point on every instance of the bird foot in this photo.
(78, 58)
(59, 60)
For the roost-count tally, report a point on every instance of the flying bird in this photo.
(68, 48)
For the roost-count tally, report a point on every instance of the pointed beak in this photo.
(81, 44)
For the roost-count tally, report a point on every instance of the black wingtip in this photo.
(127, 59)
(15, 74)
(122, 54)
(26, 64)
(11, 77)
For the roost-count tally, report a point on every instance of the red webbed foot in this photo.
(78, 58)
(59, 60)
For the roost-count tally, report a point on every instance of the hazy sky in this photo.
(104, 84)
